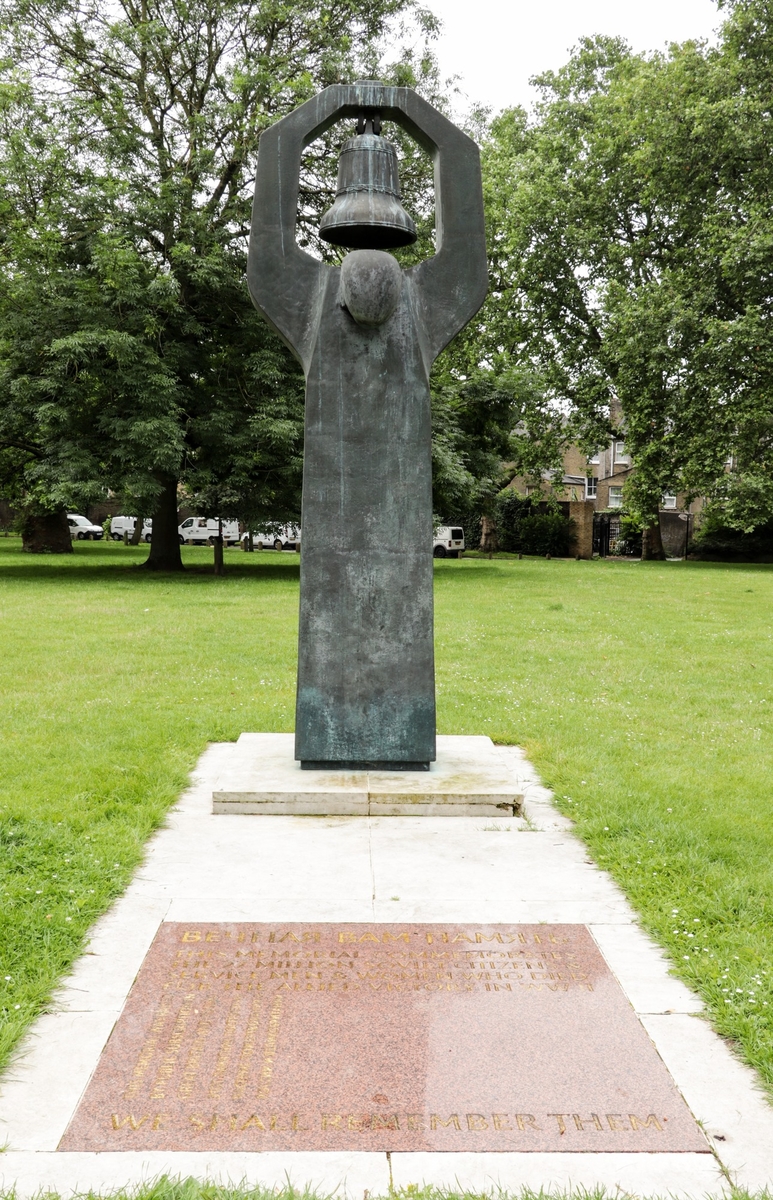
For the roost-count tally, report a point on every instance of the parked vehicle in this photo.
(448, 541)
(202, 531)
(121, 525)
(83, 530)
(284, 537)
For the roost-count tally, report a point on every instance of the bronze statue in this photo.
(367, 334)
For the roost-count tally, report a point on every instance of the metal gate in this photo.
(608, 537)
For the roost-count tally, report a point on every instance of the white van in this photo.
(119, 525)
(448, 541)
(202, 531)
(83, 529)
(284, 537)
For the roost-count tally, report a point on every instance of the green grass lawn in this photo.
(642, 692)
(191, 1189)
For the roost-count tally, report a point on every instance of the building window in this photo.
(669, 500)
(615, 497)
(620, 454)
(591, 487)
(594, 460)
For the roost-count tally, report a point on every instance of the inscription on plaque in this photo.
(379, 1037)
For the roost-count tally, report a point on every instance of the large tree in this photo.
(633, 256)
(145, 323)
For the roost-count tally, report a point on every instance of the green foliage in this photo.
(130, 353)
(717, 542)
(528, 528)
(487, 428)
(632, 251)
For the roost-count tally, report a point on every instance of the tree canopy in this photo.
(130, 355)
(632, 257)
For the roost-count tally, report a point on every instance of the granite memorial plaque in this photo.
(379, 1037)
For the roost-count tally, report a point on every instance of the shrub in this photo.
(718, 543)
(529, 528)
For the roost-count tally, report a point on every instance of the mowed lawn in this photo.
(642, 691)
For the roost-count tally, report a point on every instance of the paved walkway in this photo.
(463, 869)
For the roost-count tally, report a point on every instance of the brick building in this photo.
(590, 486)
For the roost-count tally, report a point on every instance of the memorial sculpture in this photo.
(367, 334)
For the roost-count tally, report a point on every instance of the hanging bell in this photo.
(366, 213)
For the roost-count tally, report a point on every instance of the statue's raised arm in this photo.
(453, 283)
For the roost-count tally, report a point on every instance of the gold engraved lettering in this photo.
(131, 1121)
(612, 1121)
(169, 1061)
(395, 937)
(295, 1126)
(485, 937)
(212, 937)
(158, 1120)
(435, 1122)
(476, 1121)
(148, 1050)
(191, 1069)
(226, 1047)
(594, 1120)
(285, 936)
(196, 1121)
(358, 1124)
(248, 1050)
(331, 1120)
(343, 936)
(561, 1123)
(380, 1121)
(500, 1121)
(414, 1121)
(269, 1049)
(524, 1119)
(191, 935)
(640, 1123)
(254, 1122)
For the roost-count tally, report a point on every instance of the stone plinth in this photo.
(377, 1037)
(469, 778)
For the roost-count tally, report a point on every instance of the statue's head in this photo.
(367, 213)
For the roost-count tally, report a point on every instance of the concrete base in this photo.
(470, 778)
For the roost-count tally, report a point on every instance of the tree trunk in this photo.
(134, 540)
(217, 548)
(46, 533)
(489, 542)
(652, 543)
(165, 543)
